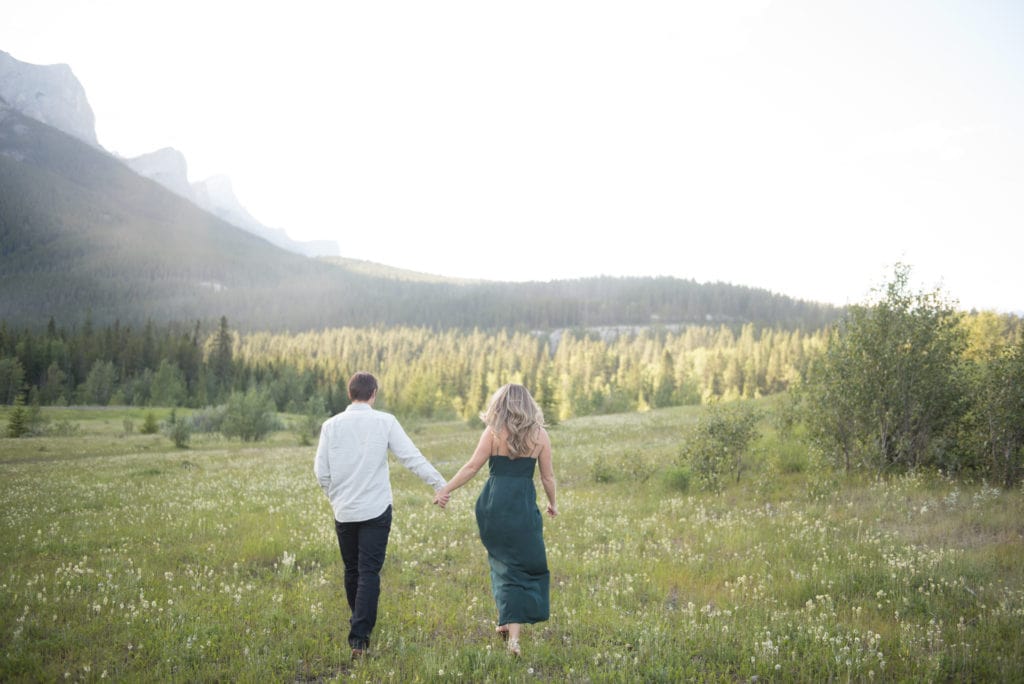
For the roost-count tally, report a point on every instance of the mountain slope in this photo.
(80, 231)
(83, 236)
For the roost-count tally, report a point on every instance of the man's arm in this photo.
(322, 463)
(410, 457)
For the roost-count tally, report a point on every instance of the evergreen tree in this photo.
(18, 420)
(665, 385)
(220, 359)
(149, 424)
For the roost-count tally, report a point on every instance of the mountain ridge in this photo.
(53, 95)
(84, 238)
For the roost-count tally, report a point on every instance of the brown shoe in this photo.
(358, 653)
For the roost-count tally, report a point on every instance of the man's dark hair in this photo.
(361, 386)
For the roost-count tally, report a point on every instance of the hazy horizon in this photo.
(798, 147)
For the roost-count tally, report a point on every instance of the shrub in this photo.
(64, 428)
(308, 426)
(678, 479)
(718, 443)
(637, 467)
(792, 458)
(149, 424)
(210, 419)
(250, 416)
(602, 470)
(178, 431)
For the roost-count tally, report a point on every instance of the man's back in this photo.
(352, 461)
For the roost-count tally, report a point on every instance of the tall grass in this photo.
(125, 558)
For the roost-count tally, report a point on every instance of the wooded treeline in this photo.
(904, 383)
(423, 372)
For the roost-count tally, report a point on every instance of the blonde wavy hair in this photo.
(514, 413)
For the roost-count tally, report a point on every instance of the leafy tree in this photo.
(996, 420)
(889, 390)
(12, 376)
(100, 384)
(54, 384)
(168, 386)
(313, 416)
(288, 389)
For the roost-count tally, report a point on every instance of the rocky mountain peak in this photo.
(166, 166)
(48, 93)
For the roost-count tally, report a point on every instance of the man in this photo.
(352, 468)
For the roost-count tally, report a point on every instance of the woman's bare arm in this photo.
(547, 472)
(469, 470)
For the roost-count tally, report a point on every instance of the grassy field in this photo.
(124, 558)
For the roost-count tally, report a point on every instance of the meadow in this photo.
(125, 558)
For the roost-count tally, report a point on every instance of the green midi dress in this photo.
(511, 529)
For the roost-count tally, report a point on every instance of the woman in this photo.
(511, 528)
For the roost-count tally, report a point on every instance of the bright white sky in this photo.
(802, 146)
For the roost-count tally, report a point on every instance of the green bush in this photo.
(792, 458)
(210, 419)
(719, 441)
(149, 424)
(178, 430)
(636, 466)
(307, 427)
(678, 479)
(250, 416)
(602, 470)
(64, 428)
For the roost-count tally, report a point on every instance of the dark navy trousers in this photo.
(363, 547)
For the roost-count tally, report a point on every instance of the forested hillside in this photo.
(83, 237)
(423, 372)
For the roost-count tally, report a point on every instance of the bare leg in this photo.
(513, 637)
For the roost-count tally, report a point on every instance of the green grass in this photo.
(125, 558)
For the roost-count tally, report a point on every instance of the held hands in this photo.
(552, 510)
(441, 498)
